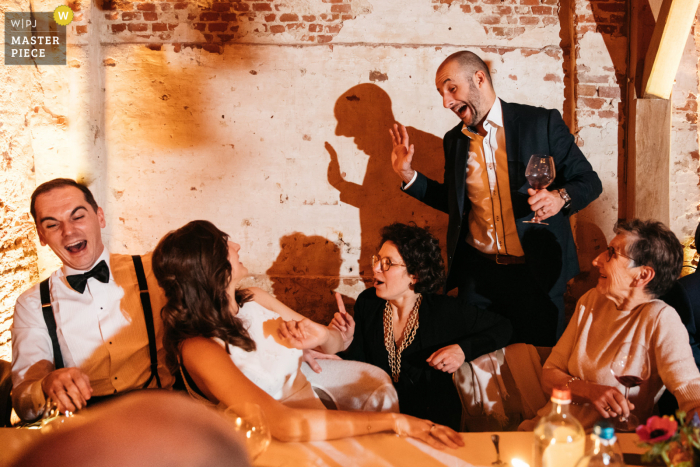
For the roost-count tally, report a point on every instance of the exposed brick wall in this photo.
(600, 76)
(221, 22)
(600, 89)
(685, 165)
(505, 18)
(18, 258)
(696, 155)
(18, 264)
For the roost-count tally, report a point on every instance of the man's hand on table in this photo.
(545, 203)
(68, 387)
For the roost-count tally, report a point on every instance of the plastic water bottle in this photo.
(603, 451)
(559, 438)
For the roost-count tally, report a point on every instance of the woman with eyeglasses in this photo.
(417, 336)
(641, 263)
(226, 342)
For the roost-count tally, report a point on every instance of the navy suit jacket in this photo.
(550, 251)
(684, 296)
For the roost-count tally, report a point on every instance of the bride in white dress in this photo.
(227, 343)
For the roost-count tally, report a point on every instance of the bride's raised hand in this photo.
(437, 436)
(303, 334)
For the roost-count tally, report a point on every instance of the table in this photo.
(384, 450)
(13, 441)
(380, 450)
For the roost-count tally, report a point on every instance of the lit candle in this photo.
(518, 463)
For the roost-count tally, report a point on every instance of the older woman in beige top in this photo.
(640, 264)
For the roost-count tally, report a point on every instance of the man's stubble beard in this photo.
(475, 104)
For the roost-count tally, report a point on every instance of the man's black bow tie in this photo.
(473, 129)
(99, 272)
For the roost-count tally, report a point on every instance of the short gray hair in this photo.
(653, 244)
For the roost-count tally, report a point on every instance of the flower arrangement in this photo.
(676, 442)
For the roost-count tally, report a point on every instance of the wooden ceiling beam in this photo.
(666, 48)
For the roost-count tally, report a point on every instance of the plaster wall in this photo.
(271, 120)
(280, 137)
(271, 142)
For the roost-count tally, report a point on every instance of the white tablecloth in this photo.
(380, 450)
(384, 450)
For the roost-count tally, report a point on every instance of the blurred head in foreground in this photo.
(153, 428)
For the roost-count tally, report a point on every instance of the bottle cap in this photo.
(561, 395)
(603, 430)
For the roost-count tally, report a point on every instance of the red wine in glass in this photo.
(629, 381)
(540, 173)
(630, 367)
(539, 181)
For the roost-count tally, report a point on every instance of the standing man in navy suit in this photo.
(496, 260)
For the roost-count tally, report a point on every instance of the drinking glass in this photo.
(630, 367)
(53, 420)
(250, 422)
(540, 174)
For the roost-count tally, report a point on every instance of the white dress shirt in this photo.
(95, 334)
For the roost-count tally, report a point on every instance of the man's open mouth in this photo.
(77, 246)
(378, 282)
(461, 110)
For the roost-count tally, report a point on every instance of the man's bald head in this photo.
(464, 82)
(469, 63)
(150, 427)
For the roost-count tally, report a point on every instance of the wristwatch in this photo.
(565, 196)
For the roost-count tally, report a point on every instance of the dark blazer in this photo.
(442, 320)
(550, 251)
(684, 296)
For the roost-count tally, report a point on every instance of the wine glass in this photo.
(53, 420)
(540, 174)
(630, 367)
(249, 421)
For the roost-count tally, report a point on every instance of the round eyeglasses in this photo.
(384, 262)
(612, 252)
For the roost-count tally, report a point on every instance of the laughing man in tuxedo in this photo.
(91, 330)
(498, 261)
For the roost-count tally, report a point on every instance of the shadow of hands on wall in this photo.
(364, 113)
(306, 274)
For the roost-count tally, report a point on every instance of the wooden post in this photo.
(649, 132)
(648, 165)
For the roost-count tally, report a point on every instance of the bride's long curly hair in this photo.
(192, 266)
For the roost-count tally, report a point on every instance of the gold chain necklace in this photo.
(409, 334)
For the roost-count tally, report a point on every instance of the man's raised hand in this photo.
(402, 154)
